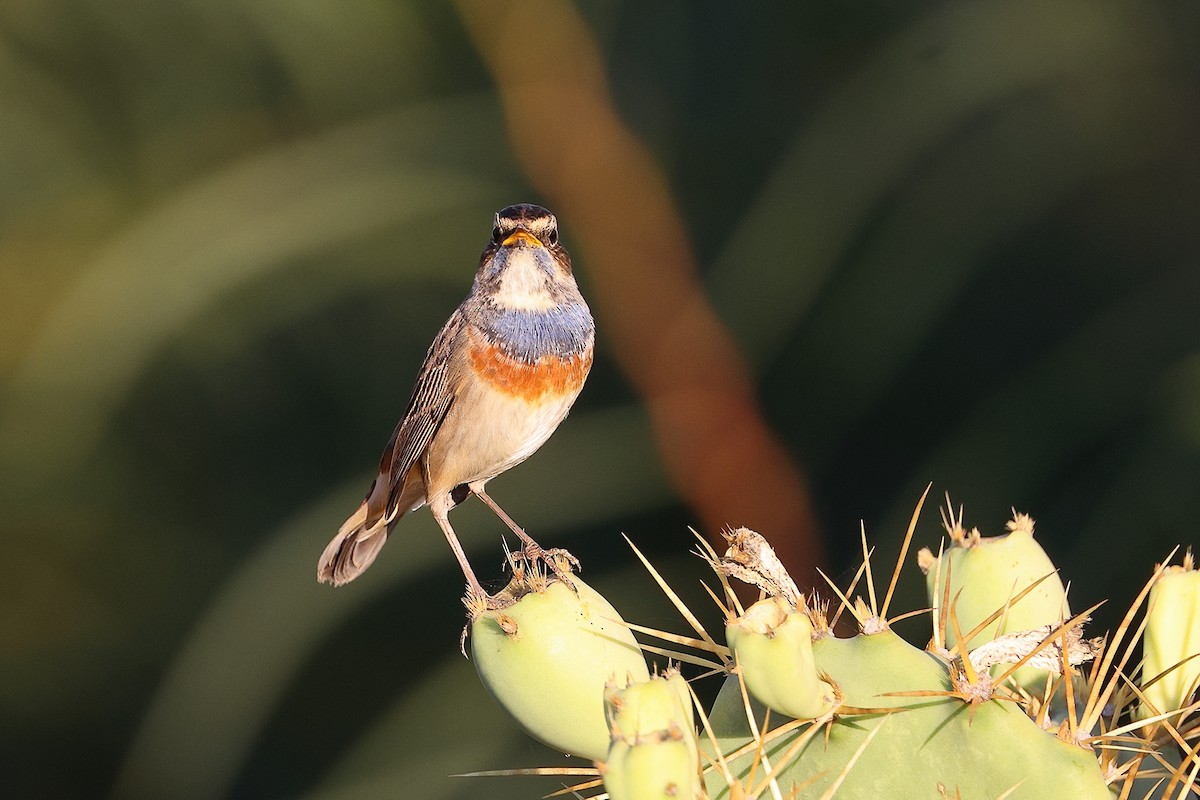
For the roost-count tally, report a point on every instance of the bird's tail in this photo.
(354, 548)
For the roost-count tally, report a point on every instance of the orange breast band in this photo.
(550, 375)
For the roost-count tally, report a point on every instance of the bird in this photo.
(495, 384)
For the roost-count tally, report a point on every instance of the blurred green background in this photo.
(955, 242)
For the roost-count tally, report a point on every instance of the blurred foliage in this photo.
(958, 242)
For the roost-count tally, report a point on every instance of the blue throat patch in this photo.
(564, 330)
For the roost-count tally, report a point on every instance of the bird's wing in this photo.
(431, 400)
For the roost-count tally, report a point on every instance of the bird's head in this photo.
(524, 266)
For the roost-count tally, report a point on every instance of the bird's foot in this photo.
(560, 562)
(556, 553)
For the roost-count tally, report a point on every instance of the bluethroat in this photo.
(496, 382)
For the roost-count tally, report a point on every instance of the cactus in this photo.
(803, 713)
(908, 723)
(935, 740)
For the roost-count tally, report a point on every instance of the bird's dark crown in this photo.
(529, 218)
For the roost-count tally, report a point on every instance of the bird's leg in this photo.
(532, 550)
(475, 592)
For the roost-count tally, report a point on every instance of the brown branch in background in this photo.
(664, 335)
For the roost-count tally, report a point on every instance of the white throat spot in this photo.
(523, 284)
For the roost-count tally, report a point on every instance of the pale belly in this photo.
(489, 431)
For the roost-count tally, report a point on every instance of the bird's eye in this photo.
(496, 234)
(552, 237)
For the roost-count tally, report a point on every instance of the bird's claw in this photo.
(555, 558)
(555, 553)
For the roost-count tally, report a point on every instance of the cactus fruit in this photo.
(982, 575)
(773, 645)
(1171, 671)
(548, 655)
(653, 753)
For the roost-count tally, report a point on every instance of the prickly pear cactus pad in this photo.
(918, 741)
(908, 724)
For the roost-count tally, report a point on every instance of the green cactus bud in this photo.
(653, 753)
(547, 658)
(985, 573)
(1172, 635)
(640, 708)
(773, 645)
(657, 769)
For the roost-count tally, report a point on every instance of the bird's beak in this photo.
(521, 237)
